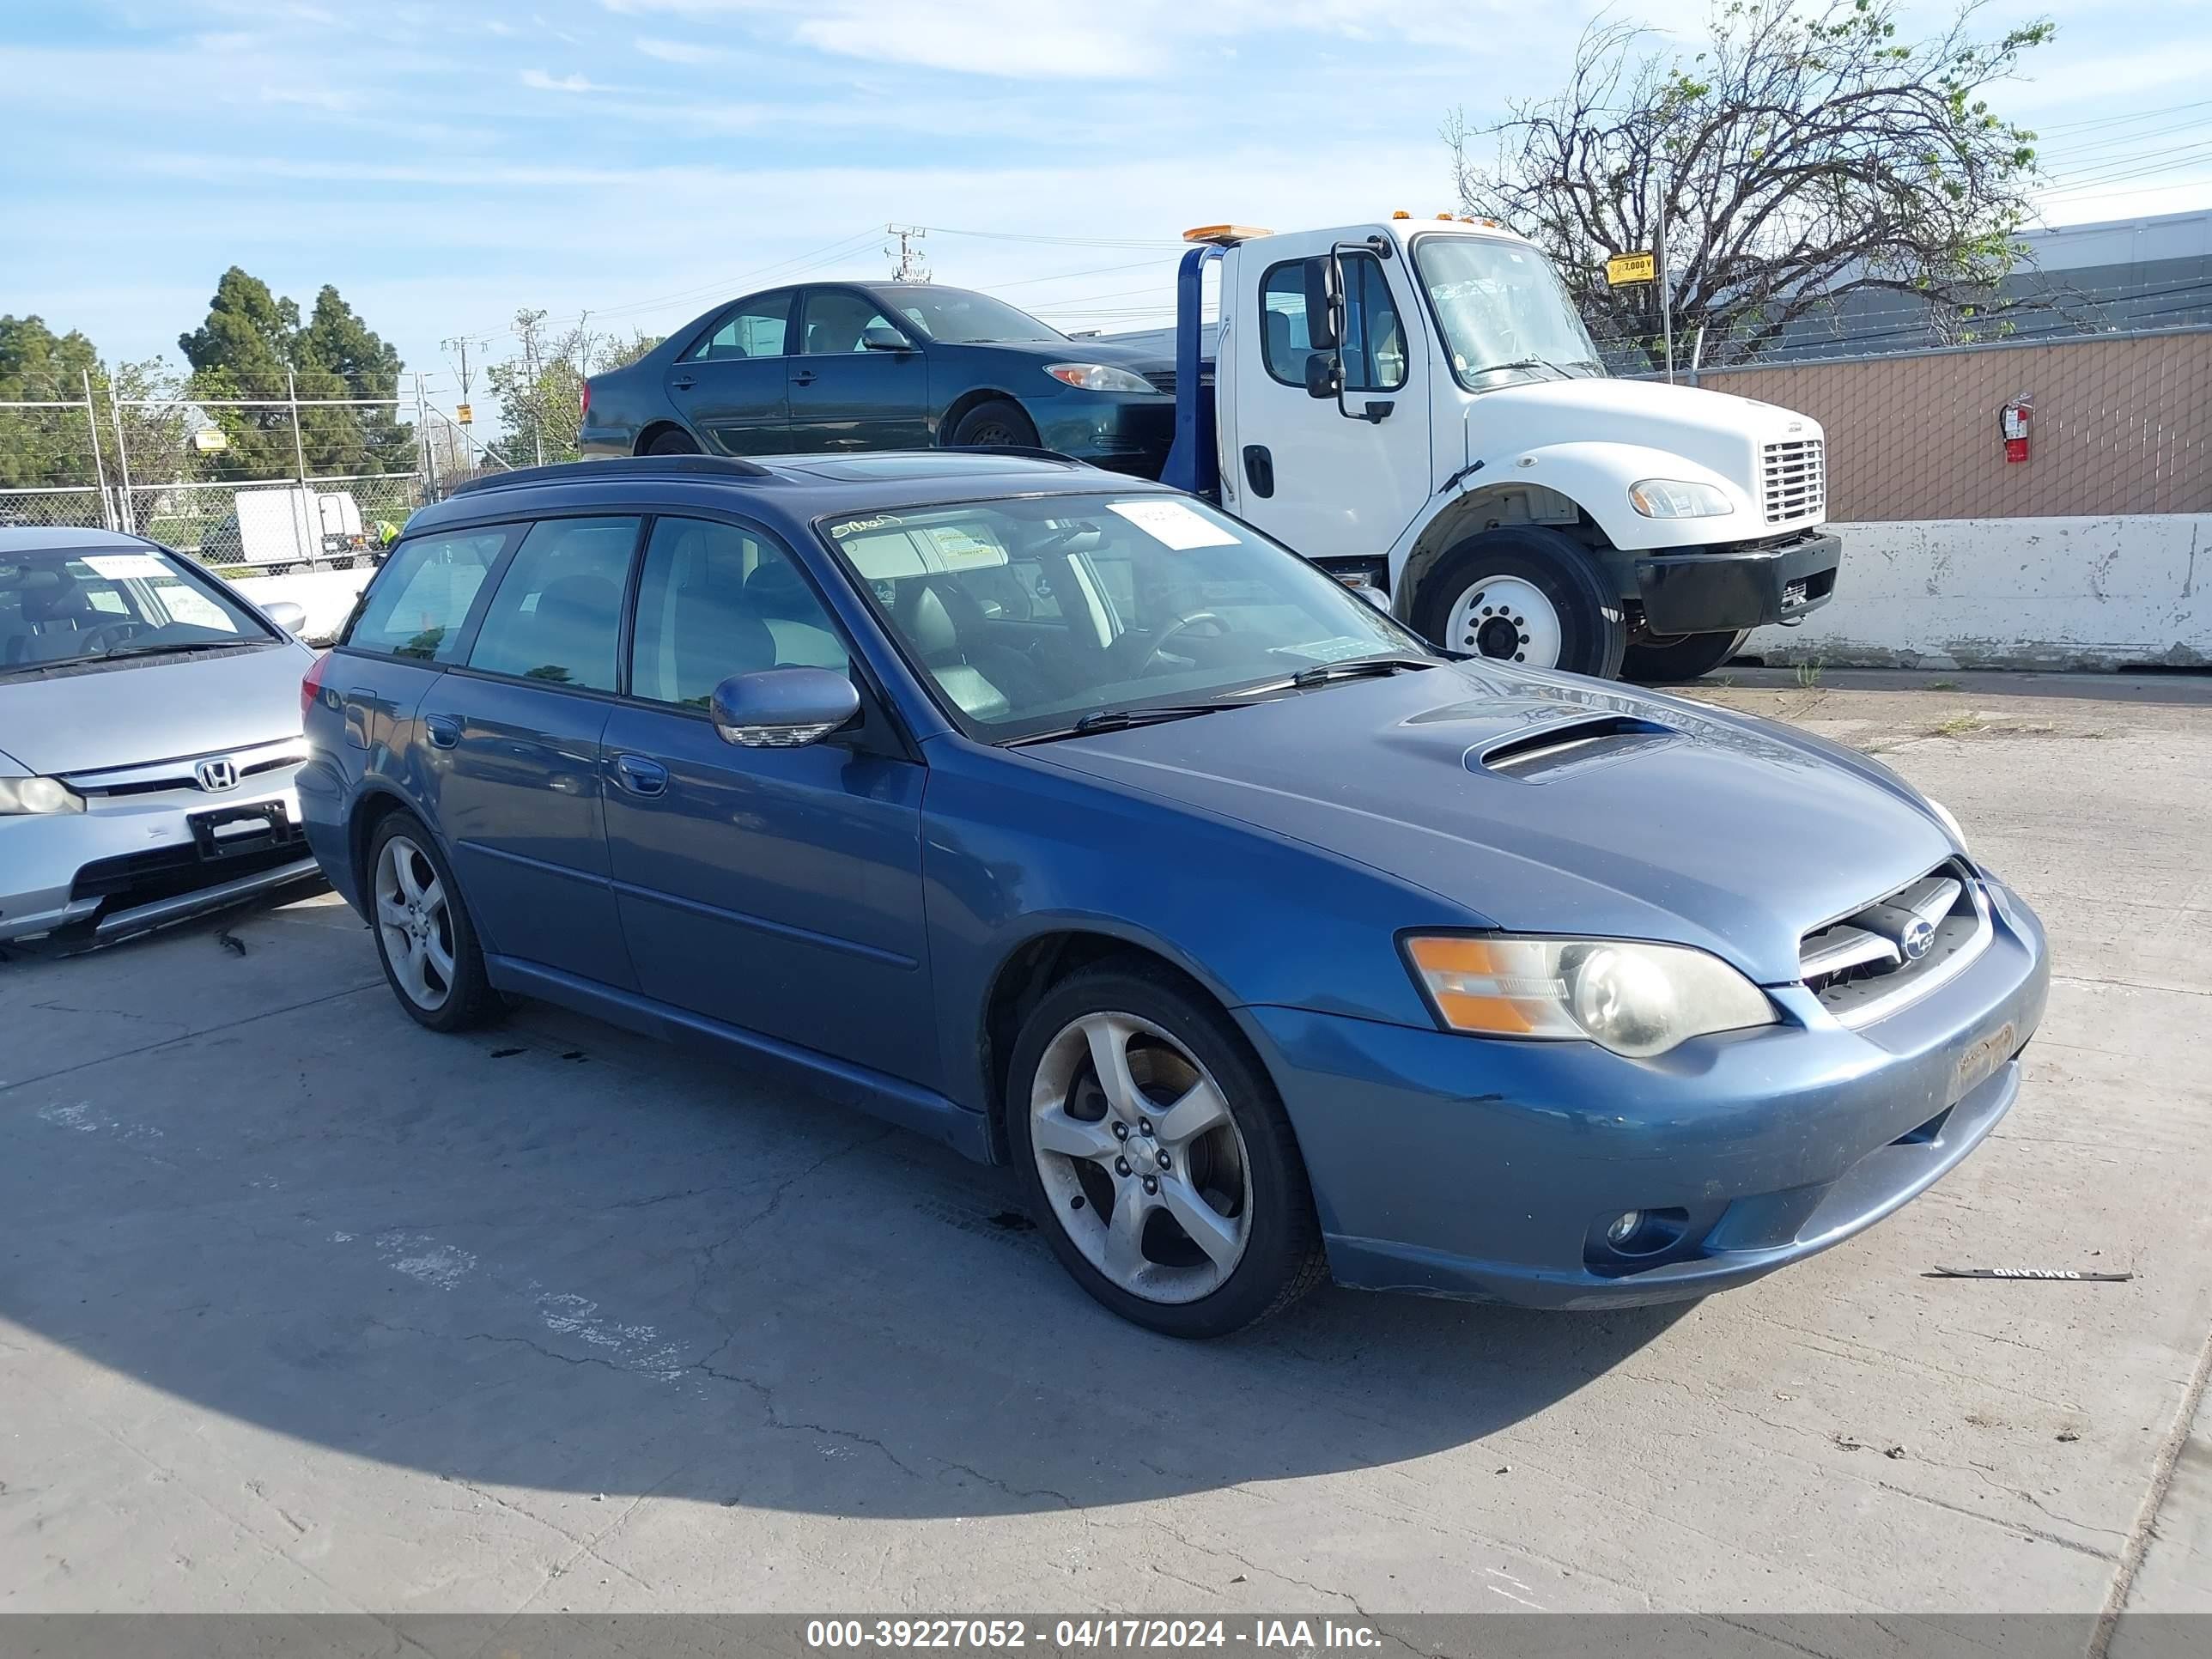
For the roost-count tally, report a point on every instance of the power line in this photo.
(2120, 120)
(1059, 241)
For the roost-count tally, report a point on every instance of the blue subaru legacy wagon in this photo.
(1067, 821)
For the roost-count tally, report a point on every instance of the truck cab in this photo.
(1416, 404)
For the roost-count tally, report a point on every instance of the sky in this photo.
(634, 161)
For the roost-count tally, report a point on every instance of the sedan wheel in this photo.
(1144, 1164)
(415, 924)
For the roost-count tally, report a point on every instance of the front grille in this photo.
(1163, 379)
(166, 871)
(1796, 476)
(1861, 965)
(161, 776)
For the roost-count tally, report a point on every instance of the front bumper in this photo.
(1457, 1166)
(1121, 431)
(1721, 589)
(131, 863)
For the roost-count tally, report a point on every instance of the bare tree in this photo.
(1805, 154)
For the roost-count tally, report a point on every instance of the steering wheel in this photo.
(1175, 631)
(94, 639)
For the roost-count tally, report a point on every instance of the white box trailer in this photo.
(289, 525)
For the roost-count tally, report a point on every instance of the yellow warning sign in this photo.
(1623, 269)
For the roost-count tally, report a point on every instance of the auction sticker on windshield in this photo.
(123, 567)
(1172, 525)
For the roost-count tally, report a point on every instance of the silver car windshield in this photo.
(1031, 616)
(64, 605)
(1505, 314)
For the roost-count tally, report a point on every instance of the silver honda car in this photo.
(149, 733)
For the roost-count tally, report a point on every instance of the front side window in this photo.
(1505, 314)
(419, 601)
(69, 604)
(756, 328)
(714, 600)
(556, 614)
(1155, 599)
(840, 322)
(1374, 345)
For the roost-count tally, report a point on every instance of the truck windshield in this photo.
(72, 606)
(954, 316)
(1505, 314)
(1031, 617)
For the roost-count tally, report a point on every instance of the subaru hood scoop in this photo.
(1549, 803)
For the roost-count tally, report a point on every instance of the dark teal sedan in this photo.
(855, 366)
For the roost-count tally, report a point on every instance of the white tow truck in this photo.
(1415, 404)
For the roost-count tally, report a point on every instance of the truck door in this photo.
(1331, 485)
(729, 386)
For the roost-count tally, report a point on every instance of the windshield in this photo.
(956, 317)
(78, 604)
(1029, 615)
(1505, 314)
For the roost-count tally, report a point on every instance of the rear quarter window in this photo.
(417, 604)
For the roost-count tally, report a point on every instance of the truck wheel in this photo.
(1681, 656)
(673, 443)
(1524, 594)
(999, 423)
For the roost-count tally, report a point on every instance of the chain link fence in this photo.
(244, 482)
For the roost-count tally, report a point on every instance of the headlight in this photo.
(1949, 823)
(1678, 498)
(38, 796)
(1636, 999)
(1099, 377)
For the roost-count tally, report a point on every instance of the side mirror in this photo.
(783, 707)
(1324, 374)
(1324, 302)
(286, 615)
(881, 337)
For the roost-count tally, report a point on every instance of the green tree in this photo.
(1808, 152)
(43, 447)
(337, 355)
(540, 389)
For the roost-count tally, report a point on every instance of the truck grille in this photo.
(1862, 966)
(1796, 480)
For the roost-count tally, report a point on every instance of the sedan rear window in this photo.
(77, 604)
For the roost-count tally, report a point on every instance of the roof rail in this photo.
(708, 466)
(1027, 451)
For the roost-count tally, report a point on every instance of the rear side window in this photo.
(421, 598)
(556, 614)
(756, 328)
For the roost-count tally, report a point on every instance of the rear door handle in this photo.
(803, 377)
(682, 383)
(641, 776)
(445, 731)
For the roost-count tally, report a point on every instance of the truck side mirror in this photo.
(1324, 374)
(1324, 302)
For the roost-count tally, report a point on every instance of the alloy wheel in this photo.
(1509, 618)
(1141, 1158)
(414, 924)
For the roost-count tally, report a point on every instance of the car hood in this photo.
(60, 724)
(1544, 803)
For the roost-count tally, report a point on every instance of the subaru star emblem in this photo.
(1920, 938)
(216, 775)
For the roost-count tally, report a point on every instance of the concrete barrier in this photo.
(326, 596)
(2049, 593)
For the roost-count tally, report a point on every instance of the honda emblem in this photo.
(217, 776)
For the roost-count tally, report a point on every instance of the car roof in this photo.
(790, 489)
(22, 538)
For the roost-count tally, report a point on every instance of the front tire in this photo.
(1157, 1156)
(423, 935)
(1681, 656)
(998, 424)
(1523, 593)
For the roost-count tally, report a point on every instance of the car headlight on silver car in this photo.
(37, 797)
(1678, 498)
(1636, 999)
(1098, 377)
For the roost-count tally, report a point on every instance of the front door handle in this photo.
(1260, 470)
(682, 383)
(641, 776)
(445, 731)
(803, 377)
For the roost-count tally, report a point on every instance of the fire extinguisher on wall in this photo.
(2012, 426)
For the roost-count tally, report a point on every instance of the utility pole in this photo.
(909, 268)
(461, 345)
(1666, 282)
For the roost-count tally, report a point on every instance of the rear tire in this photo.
(1523, 593)
(1682, 656)
(1252, 1245)
(423, 935)
(999, 423)
(673, 443)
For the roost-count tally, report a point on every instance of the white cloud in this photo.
(539, 81)
(676, 51)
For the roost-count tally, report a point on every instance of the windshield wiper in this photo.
(1527, 362)
(1353, 668)
(170, 650)
(1118, 720)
